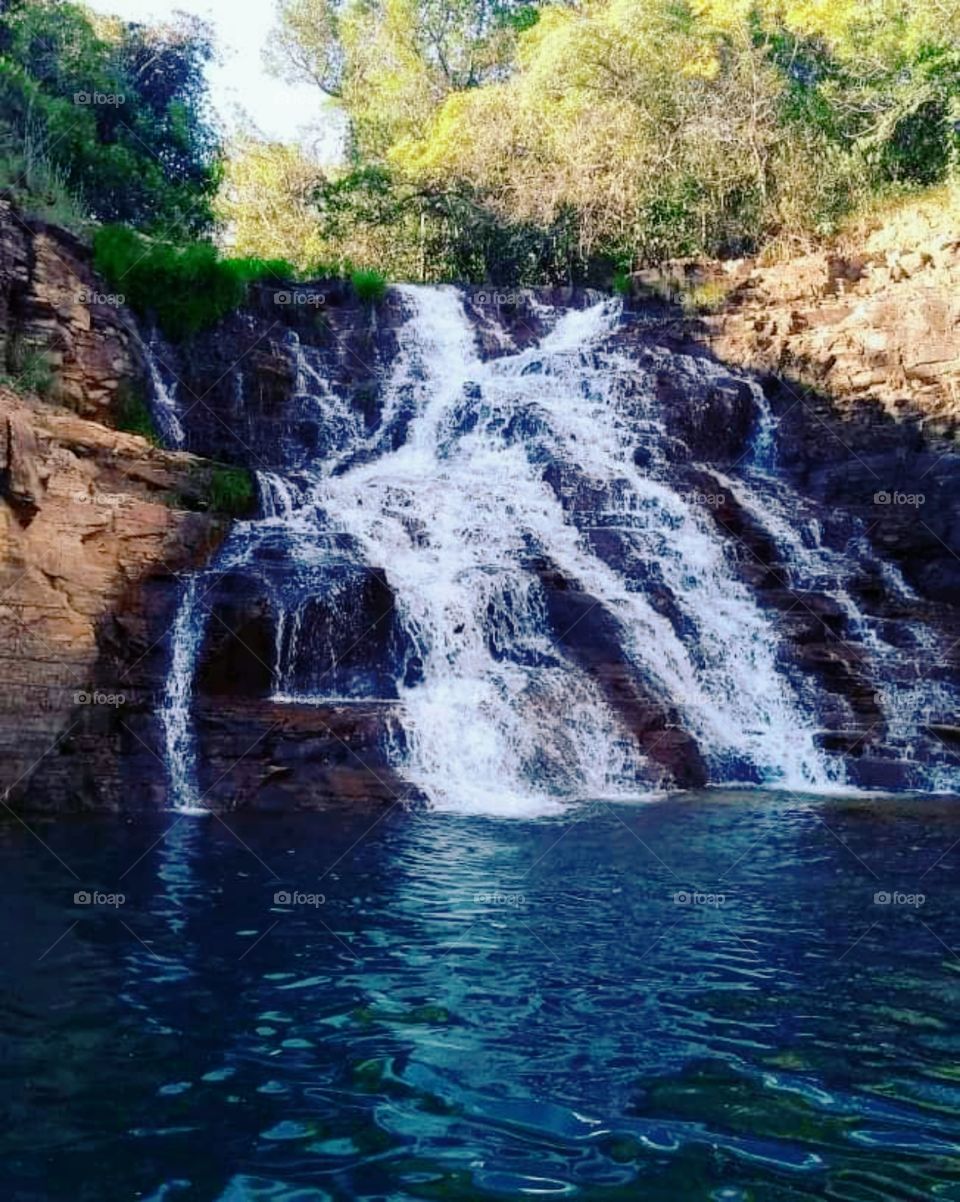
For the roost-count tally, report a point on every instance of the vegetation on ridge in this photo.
(565, 140)
(108, 118)
(485, 139)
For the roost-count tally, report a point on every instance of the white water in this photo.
(908, 697)
(166, 406)
(497, 718)
(175, 710)
(501, 719)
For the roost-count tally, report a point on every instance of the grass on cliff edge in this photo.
(132, 415)
(188, 288)
(185, 287)
(231, 490)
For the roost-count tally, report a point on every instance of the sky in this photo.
(281, 111)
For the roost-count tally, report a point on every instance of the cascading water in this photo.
(165, 408)
(459, 507)
(450, 494)
(908, 697)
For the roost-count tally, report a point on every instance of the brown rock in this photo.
(20, 479)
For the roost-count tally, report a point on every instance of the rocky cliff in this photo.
(92, 531)
(94, 524)
(859, 350)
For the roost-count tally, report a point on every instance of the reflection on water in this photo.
(714, 997)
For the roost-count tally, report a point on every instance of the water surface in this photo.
(699, 998)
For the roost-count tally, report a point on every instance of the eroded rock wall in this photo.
(93, 526)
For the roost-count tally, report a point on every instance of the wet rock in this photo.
(264, 756)
(592, 637)
(87, 590)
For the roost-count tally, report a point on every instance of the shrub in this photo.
(150, 153)
(277, 271)
(621, 283)
(132, 414)
(706, 297)
(36, 374)
(31, 369)
(40, 187)
(186, 288)
(370, 286)
(231, 490)
(322, 271)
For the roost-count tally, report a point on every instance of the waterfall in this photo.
(165, 406)
(500, 714)
(472, 477)
(175, 709)
(908, 697)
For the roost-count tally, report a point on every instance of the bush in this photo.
(132, 415)
(148, 154)
(621, 283)
(370, 286)
(30, 369)
(322, 271)
(185, 288)
(231, 491)
(40, 188)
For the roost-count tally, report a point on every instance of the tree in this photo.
(267, 202)
(391, 62)
(119, 109)
(516, 141)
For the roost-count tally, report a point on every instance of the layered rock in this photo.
(875, 329)
(54, 308)
(94, 526)
(860, 354)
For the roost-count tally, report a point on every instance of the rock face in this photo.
(590, 634)
(89, 544)
(878, 329)
(53, 308)
(860, 355)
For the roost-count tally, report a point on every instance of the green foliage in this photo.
(30, 369)
(39, 186)
(132, 414)
(370, 286)
(231, 490)
(528, 143)
(322, 271)
(621, 283)
(185, 288)
(277, 271)
(116, 112)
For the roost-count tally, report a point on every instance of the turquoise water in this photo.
(465, 1008)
